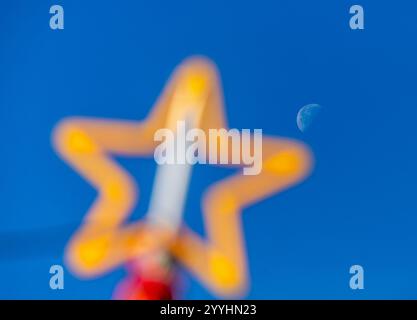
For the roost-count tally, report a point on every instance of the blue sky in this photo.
(112, 61)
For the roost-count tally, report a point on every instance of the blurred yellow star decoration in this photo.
(105, 241)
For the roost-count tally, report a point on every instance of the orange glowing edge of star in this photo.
(104, 241)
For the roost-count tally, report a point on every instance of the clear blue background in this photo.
(112, 60)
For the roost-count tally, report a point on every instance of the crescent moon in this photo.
(306, 115)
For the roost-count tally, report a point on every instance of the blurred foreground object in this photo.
(104, 241)
(153, 277)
